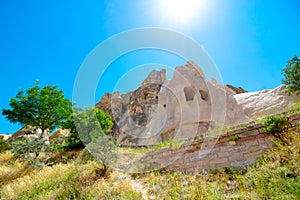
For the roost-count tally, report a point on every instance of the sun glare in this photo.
(181, 11)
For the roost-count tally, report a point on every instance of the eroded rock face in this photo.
(183, 107)
(229, 89)
(30, 132)
(237, 90)
(192, 104)
(266, 102)
(130, 112)
(4, 136)
(60, 132)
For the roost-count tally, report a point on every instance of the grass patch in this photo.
(171, 143)
(234, 138)
(69, 181)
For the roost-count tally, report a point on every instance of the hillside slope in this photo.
(274, 176)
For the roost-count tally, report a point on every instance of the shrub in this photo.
(69, 143)
(72, 142)
(171, 143)
(104, 150)
(4, 145)
(274, 124)
(234, 138)
(29, 149)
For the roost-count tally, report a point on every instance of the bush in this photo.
(69, 143)
(4, 145)
(29, 149)
(104, 150)
(234, 138)
(171, 143)
(82, 123)
(72, 142)
(274, 124)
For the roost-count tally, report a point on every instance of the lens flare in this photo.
(181, 11)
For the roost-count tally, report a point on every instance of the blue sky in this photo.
(249, 41)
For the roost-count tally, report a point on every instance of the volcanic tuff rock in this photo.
(266, 102)
(27, 130)
(4, 136)
(237, 90)
(60, 132)
(183, 107)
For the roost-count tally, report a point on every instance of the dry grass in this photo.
(10, 171)
(73, 180)
(5, 157)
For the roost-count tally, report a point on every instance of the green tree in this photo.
(292, 76)
(86, 126)
(104, 150)
(91, 125)
(44, 108)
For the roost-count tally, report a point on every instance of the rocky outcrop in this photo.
(26, 130)
(266, 102)
(229, 89)
(60, 132)
(131, 111)
(237, 90)
(182, 108)
(18, 134)
(213, 152)
(4, 136)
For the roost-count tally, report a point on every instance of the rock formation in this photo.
(60, 132)
(237, 90)
(27, 130)
(182, 108)
(4, 136)
(229, 89)
(266, 102)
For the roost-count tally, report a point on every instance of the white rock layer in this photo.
(266, 102)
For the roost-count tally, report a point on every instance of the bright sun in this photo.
(181, 11)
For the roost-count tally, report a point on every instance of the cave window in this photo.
(189, 93)
(165, 105)
(156, 97)
(204, 94)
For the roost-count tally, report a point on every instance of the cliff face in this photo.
(131, 112)
(183, 107)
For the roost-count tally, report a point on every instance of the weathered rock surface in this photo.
(60, 132)
(237, 90)
(182, 108)
(5, 136)
(27, 130)
(265, 102)
(130, 112)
